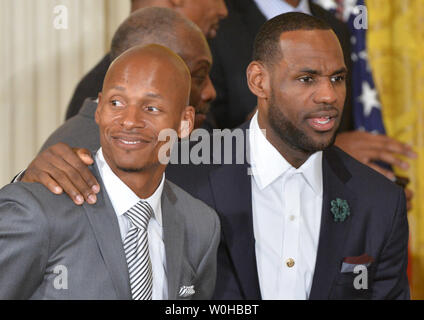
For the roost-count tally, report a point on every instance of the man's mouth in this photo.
(130, 142)
(322, 124)
(203, 108)
(322, 121)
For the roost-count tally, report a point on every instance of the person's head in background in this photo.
(146, 90)
(205, 13)
(170, 29)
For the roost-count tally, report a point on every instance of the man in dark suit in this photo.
(205, 13)
(304, 222)
(231, 50)
(300, 218)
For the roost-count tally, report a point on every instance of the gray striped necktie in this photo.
(136, 248)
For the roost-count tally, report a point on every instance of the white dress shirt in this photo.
(272, 8)
(122, 199)
(287, 205)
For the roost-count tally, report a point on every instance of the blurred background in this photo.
(395, 40)
(41, 64)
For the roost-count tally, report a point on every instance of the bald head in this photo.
(142, 63)
(146, 90)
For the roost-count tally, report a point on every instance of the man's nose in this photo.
(223, 11)
(326, 92)
(208, 92)
(131, 118)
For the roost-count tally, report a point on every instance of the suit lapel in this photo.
(231, 188)
(332, 234)
(105, 225)
(173, 233)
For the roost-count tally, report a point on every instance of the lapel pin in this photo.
(340, 209)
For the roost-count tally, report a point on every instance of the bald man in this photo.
(206, 14)
(149, 25)
(145, 238)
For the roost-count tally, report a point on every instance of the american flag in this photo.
(366, 104)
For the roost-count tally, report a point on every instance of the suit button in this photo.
(290, 262)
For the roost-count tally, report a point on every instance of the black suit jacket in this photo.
(232, 52)
(89, 86)
(377, 226)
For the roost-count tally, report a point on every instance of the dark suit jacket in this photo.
(89, 86)
(377, 226)
(232, 52)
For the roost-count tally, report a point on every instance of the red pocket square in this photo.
(363, 259)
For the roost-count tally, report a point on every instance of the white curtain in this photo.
(40, 66)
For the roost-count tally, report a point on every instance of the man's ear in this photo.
(258, 79)
(187, 122)
(99, 103)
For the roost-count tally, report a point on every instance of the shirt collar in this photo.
(312, 172)
(121, 196)
(268, 164)
(273, 8)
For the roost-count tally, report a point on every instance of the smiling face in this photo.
(145, 91)
(205, 13)
(304, 91)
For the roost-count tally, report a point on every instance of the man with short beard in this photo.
(302, 219)
(235, 102)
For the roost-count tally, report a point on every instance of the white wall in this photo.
(41, 65)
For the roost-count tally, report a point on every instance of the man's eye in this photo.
(198, 79)
(199, 75)
(117, 103)
(306, 79)
(152, 108)
(338, 79)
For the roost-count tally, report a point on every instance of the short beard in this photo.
(147, 167)
(290, 134)
(204, 109)
(131, 170)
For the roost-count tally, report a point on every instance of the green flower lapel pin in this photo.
(340, 209)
